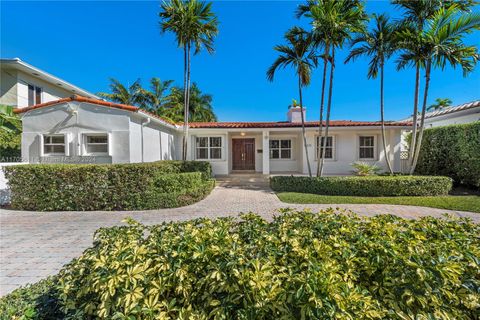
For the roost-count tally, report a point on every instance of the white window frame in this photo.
(65, 144)
(85, 136)
(374, 147)
(35, 87)
(208, 147)
(334, 148)
(280, 149)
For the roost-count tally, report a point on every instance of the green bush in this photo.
(48, 187)
(10, 144)
(370, 186)
(452, 151)
(301, 265)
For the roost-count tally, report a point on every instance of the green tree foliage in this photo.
(10, 135)
(452, 151)
(130, 95)
(440, 103)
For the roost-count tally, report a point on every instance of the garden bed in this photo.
(67, 187)
(300, 265)
(369, 186)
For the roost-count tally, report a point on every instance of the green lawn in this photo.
(456, 202)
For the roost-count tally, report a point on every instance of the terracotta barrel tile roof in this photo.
(285, 124)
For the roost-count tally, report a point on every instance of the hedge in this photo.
(163, 184)
(301, 265)
(452, 151)
(370, 186)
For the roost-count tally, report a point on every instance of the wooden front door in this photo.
(243, 154)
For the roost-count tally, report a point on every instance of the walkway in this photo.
(34, 245)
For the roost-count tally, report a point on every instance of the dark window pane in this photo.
(215, 142)
(202, 142)
(285, 144)
(38, 95)
(215, 153)
(366, 153)
(202, 153)
(97, 139)
(58, 139)
(328, 153)
(31, 94)
(274, 154)
(274, 144)
(366, 141)
(286, 154)
(58, 149)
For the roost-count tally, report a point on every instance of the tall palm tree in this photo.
(299, 54)
(195, 26)
(333, 23)
(440, 103)
(438, 43)
(416, 14)
(156, 97)
(131, 95)
(379, 45)
(200, 108)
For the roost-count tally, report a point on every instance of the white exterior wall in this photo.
(123, 127)
(219, 166)
(15, 88)
(454, 118)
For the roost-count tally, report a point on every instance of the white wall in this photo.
(453, 118)
(219, 166)
(123, 127)
(8, 87)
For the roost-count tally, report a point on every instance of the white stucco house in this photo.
(461, 114)
(23, 85)
(81, 129)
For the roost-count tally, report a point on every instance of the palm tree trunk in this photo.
(329, 108)
(422, 120)
(322, 104)
(187, 106)
(382, 119)
(413, 143)
(185, 92)
(303, 125)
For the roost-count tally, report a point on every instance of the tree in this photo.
(333, 24)
(437, 43)
(379, 45)
(195, 26)
(130, 95)
(9, 122)
(299, 54)
(200, 105)
(156, 97)
(441, 103)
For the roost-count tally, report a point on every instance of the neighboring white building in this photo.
(79, 129)
(23, 85)
(464, 113)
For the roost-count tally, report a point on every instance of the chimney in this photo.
(294, 114)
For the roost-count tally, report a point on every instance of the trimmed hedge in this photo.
(301, 265)
(452, 151)
(163, 184)
(370, 186)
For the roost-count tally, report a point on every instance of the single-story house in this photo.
(83, 130)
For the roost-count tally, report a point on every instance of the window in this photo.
(34, 95)
(208, 148)
(280, 149)
(54, 144)
(367, 147)
(96, 143)
(328, 147)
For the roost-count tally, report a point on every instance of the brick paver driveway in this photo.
(36, 244)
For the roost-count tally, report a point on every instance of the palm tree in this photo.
(9, 122)
(200, 108)
(298, 53)
(156, 97)
(438, 43)
(379, 45)
(416, 14)
(195, 26)
(131, 95)
(333, 23)
(441, 103)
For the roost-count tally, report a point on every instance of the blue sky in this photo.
(87, 42)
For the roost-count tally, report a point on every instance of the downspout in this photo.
(144, 123)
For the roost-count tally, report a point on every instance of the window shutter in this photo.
(110, 144)
(40, 145)
(67, 144)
